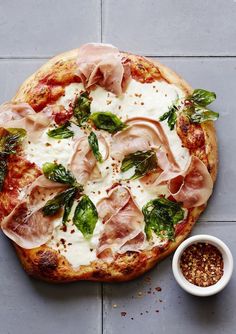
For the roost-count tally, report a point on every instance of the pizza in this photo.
(107, 161)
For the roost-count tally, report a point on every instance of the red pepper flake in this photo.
(123, 314)
(158, 288)
(202, 264)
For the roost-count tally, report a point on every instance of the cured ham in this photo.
(83, 163)
(142, 134)
(26, 225)
(123, 224)
(102, 64)
(194, 186)
(23, 116)
(14, 111)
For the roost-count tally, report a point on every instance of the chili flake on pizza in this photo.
(107, 160)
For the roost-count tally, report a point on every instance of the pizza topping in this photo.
(26, 225)
(107, 121)
(93, 143)
(14, 111)
(171, 116)
(123, 229)
(108, 206)
(102, 64)
(142, 161)
(57, 173)
(33, 123)
(194, 186)
(81, 109)
(83, 163)
(161, 215)
(85, 216)
(64, 199)
(142, 134)
(9, 140)
(61, 132)
(194, 107)
(28, 229)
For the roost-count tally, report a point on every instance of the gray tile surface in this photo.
(171, 27)
(41, 28)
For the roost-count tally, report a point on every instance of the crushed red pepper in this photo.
(202, 264)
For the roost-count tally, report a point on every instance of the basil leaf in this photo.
(18, 131)
(160, 216)
(58, 173)
(201, 114)
(85, 216)
(61, 132)
(8, 144)
(143, 162)
(107, 121)
(202, 97)
(171, 116)
(3, 170)
(64, 199)
(81, 108)
(93, 143)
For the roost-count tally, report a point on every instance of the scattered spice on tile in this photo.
(202, 264)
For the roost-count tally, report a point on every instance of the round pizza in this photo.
(107, 160)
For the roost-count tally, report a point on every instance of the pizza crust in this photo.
(47, 264)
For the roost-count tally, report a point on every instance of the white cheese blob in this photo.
(149, 100)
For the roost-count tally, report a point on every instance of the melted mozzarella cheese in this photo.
(149, 100)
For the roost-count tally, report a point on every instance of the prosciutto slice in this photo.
(194, 186)
(23, 116)
(26, 225)
(102, 64)
(124, 224)
(142, 134)
(83, 163)
(14, 111)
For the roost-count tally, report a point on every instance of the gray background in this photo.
(198, 40)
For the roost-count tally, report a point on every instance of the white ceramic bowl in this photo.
(194, 289)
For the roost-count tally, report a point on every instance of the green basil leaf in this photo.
(81, 108)
(107, 121)
(201, 114)
(171, 116)
(160, 216)
(57, 173)
(203, 97)
(64, 199)
(3, 170)
(61, 132)
(93, 143)
(18, 131)
(143, 162)
(85, 216)
(8, 144)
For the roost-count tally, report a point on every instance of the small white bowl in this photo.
(194, 289)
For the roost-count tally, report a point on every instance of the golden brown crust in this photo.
(44, 262)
